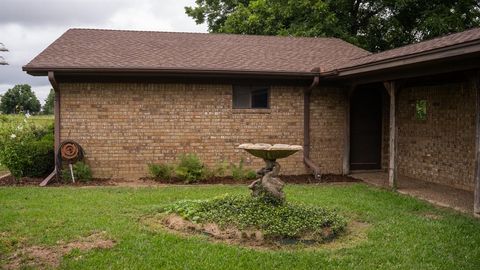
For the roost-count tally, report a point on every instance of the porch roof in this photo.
(460, 45)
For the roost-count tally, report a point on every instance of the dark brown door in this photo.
(366, 128)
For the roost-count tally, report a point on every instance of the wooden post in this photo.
(346, 152)
(476, 200)
(392, 164)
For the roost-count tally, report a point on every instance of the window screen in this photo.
(250, 97)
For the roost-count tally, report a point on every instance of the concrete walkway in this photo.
(445, 196)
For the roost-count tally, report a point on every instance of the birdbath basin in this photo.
(269, 185)
(270, 152)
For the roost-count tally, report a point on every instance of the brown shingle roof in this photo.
(417, 48)
(143, 50)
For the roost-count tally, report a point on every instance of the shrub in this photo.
(26, 149)
(240, 173)
(161, 171)
(250, 174)
(275, 221)
(42, 156)
(219, 170)
(190, 169)
(81, 172)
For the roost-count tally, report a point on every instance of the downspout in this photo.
(53, 82)
(306, 128)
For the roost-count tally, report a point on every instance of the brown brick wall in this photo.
(328, 113)
(125, 126)
(440, 149)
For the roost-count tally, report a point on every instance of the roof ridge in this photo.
(203, 33)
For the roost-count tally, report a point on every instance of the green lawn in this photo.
(37, 119)
(400, 236)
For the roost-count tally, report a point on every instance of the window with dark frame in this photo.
(250, 97)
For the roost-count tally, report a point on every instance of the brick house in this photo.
(131, 98)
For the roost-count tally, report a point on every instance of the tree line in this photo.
(21, 99)
(374, 25)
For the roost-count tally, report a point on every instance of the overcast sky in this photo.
(29, 26)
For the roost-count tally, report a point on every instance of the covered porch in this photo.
(413, 125)
(418, 136)
(438, 194)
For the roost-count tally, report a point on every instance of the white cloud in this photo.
(29, 26)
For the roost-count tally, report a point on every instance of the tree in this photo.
(19, 99)
(49, 101)
(375, 25)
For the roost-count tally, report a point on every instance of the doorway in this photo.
(366, 128)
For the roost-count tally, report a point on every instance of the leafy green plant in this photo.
(161, 171)
(250, 174)
(275, 221)
(190, 169)
(421, 110)
(26, 149)
(42, 156)
(219, 170)
(81, 172)
(240, 173)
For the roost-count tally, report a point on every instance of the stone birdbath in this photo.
(269, 185)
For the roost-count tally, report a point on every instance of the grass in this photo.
(400, 235)
(37, 119)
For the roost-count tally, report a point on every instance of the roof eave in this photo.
(43, 71)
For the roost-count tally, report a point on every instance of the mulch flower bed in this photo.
(29, 181)
(289, 179)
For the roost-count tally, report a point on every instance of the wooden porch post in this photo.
(346, 153)
(476, 201)
(392, 164)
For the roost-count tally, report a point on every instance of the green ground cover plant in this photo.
(287, 220)
(403, 232)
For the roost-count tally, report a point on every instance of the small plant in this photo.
(221, 168)
(190, 169)
(421, 110)
(250, 174)
(161, 171)
(240, 173)
(81, 172)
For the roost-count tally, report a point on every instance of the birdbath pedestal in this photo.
(269, 185)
